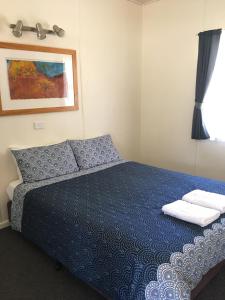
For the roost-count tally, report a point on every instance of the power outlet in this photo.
(39, 125)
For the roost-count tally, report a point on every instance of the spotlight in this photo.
(17, 30)
(59, 31)
(41, 34)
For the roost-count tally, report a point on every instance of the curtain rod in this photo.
(219, 29)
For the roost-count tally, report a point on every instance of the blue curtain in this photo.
(208, 49)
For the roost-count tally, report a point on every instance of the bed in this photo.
(106, 227)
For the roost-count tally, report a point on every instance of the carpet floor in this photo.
(26, 273)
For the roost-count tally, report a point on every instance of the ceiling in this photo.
(141, 2)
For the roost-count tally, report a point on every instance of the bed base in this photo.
(9, 205)
(206, 280)
(200, 287)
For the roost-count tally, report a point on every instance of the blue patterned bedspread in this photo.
(107, 228)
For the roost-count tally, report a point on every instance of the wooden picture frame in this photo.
(37, 79)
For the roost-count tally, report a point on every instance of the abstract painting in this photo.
(35, 79)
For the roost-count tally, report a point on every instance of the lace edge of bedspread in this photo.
(175, 280)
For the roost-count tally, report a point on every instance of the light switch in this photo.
(39, 125)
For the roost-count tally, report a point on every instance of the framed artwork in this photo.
(35, 79)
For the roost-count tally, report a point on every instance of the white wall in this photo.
(107, 36)
(169, 62)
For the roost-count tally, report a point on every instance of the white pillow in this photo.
(17, 168)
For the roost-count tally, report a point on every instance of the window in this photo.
(214, 103)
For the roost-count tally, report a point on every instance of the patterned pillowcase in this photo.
(39, 163)
(94, 152)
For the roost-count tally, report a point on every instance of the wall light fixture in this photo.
(18, 28)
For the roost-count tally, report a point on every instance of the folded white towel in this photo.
(206, 199)
(191, 213)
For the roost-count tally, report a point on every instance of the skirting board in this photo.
(4, 224)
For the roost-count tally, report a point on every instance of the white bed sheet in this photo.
(11, 187)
